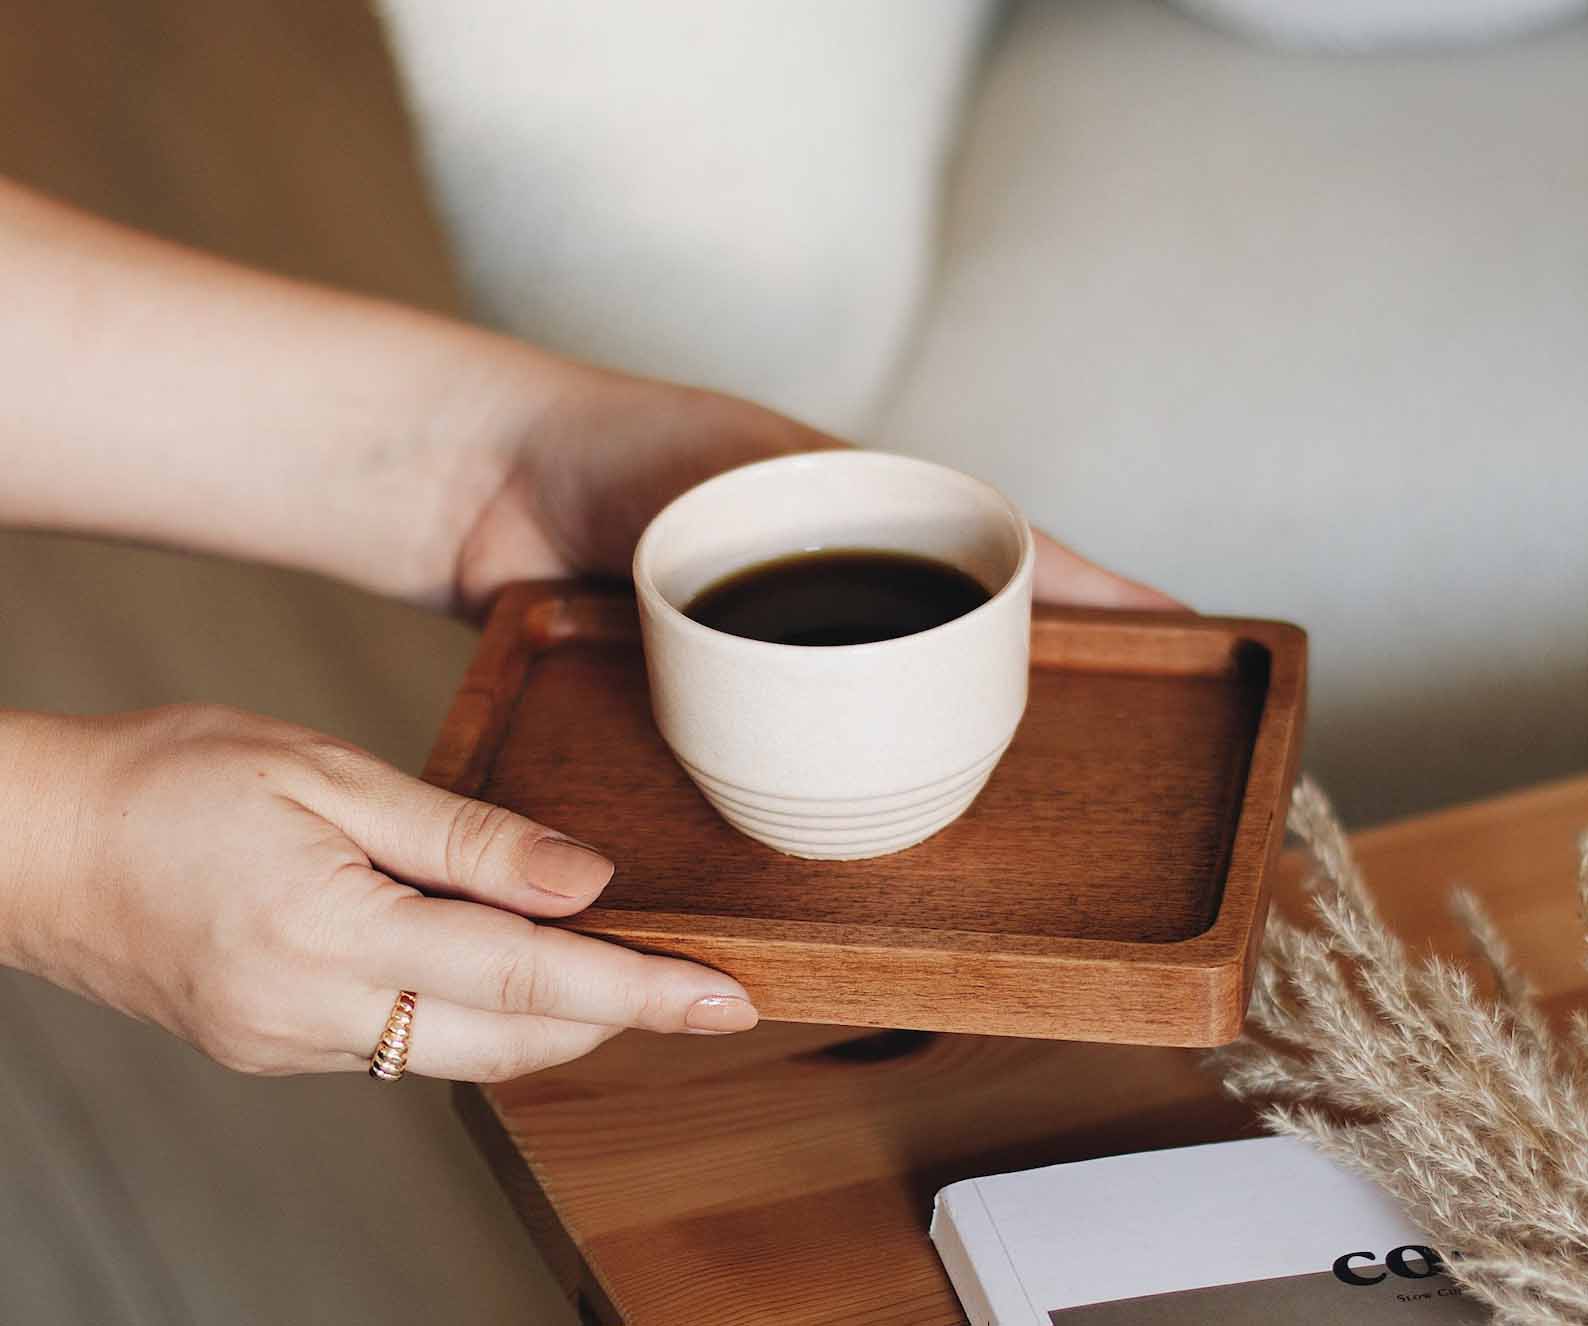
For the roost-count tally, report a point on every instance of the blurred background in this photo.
(1290, 323)
(139, 1183)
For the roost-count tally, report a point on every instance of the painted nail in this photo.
(567, 868)
(717, 1014)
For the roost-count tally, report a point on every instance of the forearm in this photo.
(42, 826)
(158, 394)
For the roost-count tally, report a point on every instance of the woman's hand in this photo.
(254, 888)
(407, 453)
(251, 886)
(564, 482)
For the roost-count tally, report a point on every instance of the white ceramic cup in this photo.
(842, 751)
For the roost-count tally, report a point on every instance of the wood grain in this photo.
(785, 1177)
(1108, 884)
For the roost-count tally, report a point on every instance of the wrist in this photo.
(482, 401)
(473, 442)
(44, 830)
(384, 494)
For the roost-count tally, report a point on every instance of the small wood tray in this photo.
(1109, 884)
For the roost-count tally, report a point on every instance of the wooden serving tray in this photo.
(1109, 884)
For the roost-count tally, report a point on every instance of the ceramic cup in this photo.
(845, 751)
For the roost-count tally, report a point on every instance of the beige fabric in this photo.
(1294, 336)
(144, 1185)
(139, 1183)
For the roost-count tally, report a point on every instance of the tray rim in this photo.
(531, 618)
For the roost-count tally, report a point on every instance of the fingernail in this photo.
(567, 868)
(717, 1014)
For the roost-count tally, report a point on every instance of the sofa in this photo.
(1290, 322)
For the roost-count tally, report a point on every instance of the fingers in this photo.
(468, 1045)
(451, 844)
(1064, 576)
(489, 960)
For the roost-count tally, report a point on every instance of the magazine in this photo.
(1255, 1233)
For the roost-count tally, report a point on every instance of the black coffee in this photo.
(838, 597)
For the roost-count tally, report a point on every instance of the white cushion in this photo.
(1381, 24)
(737, 195)
(1294, 336)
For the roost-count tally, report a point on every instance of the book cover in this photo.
(1239, 1233)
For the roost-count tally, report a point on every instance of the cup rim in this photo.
(652, 597)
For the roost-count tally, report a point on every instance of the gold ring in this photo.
(390, 1059)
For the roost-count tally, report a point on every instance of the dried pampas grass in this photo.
(1468, 1107)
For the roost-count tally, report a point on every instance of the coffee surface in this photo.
(840, 596)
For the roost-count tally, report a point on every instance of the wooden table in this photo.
(786, 1176)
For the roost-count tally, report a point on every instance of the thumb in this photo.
(455, 845)
(1064, 576)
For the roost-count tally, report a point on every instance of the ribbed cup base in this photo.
(845, 830)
